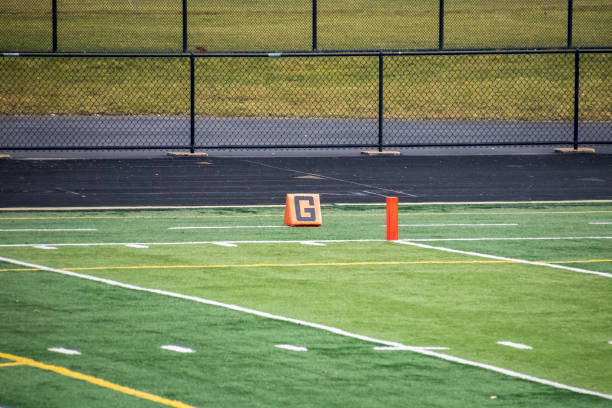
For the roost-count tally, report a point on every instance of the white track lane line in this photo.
(502, 258)
(331, 178)
(329, 329)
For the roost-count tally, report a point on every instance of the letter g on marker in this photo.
(303, 210)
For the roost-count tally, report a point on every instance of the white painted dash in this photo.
(600, 223)
(291, 347)
(515, 345)
(63, 350)
(178, 349)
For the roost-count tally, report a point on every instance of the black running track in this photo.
(266, 180)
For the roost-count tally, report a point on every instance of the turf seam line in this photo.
(330, 329)
(502, 258)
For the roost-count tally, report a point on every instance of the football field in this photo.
(504, 305)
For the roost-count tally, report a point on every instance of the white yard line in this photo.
(458, 225)
(324, 241)
(47, 229)
(228, 227)
(47, 247)
(388, 348)
(312, 243)
(329, 329)
(225, 244)
(138, 246)
(187, 243)
(501, 258)
(600, 223)
(501, 239)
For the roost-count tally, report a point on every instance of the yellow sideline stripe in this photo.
(93, 380)
(261, 265)
(11, 364)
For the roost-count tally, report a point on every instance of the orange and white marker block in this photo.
(303, 210)
(392, 219)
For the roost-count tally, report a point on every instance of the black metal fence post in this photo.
(570, 22)
(54, 25)
(441, 26)
(192, 103)
(576, 96)
(184, 25)
(380, 100)
(314, 25)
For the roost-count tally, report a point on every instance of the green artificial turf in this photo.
(415, 296)
(119, 333)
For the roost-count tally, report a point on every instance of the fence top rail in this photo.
(308, 54)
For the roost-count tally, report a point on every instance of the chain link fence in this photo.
(305, 100)
(267, 25)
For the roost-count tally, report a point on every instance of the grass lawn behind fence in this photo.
(154, 25)
(476, 87)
